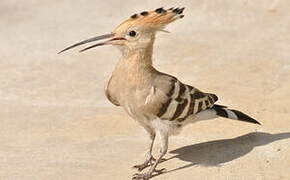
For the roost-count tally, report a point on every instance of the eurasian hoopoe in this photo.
(158, 101)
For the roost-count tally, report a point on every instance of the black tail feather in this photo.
(223, 111)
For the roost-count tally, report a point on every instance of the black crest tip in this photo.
(144, 13)
(175, 10)
(181, 10)
(160, 10)
(134, 16)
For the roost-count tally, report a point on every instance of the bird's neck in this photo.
(135, 67)
(139, 57)
(137, 60)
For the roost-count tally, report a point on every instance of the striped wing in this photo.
(182, 100)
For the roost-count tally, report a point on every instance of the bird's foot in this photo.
(147, 163)
(148, 175)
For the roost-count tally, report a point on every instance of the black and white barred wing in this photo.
(176, 101)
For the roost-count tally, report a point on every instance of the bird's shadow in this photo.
(215, 153)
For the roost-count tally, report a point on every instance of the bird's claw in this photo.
(147, 175)
(141, 166)
(147, 163)
(144, 176)
(160, 171)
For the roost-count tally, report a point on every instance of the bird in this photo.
(159, 102)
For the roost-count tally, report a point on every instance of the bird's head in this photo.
(138, 31)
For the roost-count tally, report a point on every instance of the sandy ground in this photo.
(57, 124)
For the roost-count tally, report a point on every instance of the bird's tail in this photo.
(223, 111)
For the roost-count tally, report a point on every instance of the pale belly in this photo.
(154, 123)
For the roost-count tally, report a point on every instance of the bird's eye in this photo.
(132, 33)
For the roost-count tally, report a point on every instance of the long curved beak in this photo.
(105, 36)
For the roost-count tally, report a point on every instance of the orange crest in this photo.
(152, 19)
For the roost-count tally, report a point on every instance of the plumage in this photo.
(181, 99)
(161, 103)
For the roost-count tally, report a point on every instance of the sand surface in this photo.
(56, 124)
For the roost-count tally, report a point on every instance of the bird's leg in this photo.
(149, 158)
(163, 150)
